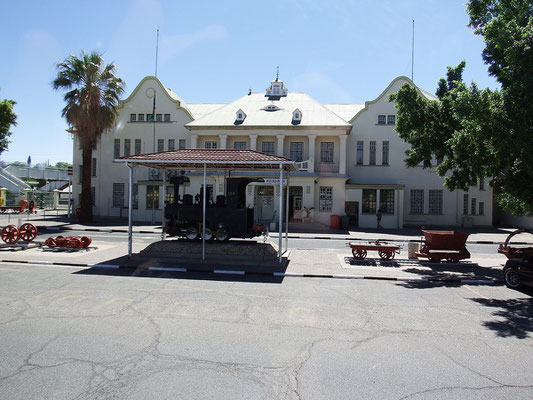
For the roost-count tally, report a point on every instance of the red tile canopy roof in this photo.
(211, 158)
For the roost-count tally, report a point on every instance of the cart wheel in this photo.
(60, 241)
(208, 234)
(27, 232)
(192, 233)
(386, 255)
(85, 241)
(50, 242)
(222, 234)
(10, 234)
(360, 254)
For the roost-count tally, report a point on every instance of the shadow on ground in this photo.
(512, 317)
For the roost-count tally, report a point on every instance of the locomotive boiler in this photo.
(227, 217)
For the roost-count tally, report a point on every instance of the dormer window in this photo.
(271, 107)
(276, 90)
(296, 117)
(240, 117)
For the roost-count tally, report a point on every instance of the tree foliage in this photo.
(7, 119)
(481, 133)
(92, 95)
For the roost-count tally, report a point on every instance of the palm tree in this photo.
(92, 95)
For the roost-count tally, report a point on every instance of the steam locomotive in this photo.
(227, 217)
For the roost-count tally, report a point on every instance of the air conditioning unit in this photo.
(154, 173)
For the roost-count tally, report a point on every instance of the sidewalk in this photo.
(302, 263)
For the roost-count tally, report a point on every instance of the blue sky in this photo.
(337, 51)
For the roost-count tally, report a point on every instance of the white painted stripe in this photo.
(278, 273)
(407, 279)
(228, 272)
(348, 276)
(174, 269)
(104, 266)
(41, 262)
(476, 281)
(289, 273)
(105, 230)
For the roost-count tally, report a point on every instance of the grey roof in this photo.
(199, 110)
(345, 111)
(253, 105)
(427, 95)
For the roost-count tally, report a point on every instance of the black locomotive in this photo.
(227, 217)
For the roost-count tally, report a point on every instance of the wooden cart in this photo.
(386, 251)
(449, 246)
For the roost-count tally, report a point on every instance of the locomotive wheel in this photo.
(222, 234)
(208, 234)
(191, 233)
(360, 254)
(27, 232)
(10, 234)
(386, 255)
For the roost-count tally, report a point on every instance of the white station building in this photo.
(350, 159)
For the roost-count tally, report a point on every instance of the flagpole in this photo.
(413, 52)
(156, 51)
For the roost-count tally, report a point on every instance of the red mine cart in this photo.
(444, 245)
(515, 252)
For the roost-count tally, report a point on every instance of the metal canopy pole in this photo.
(164, 198)
(280, 228)
(203, 211)
(130, 203)
(287, 187)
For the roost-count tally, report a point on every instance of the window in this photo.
(297, 151)
(265, 190)
(473, 207)
(127, 147)
(372, 153)
(171, 144)
(141, 117)
(369, 201)
(152, 197)
(135, 195)
(137, 146)
(417, 201)
(385, 153)
(481, 208)
(118, 194)
(391, 119)
(210, 145)
(267, 147)
(159, 117)
(239, 145)
(181, 144)
(325, 199)
(167, 118)
(116, 149)
(169, 195)
(326, 152)
(382, 119)
(465, 204)
(93, 167)
(160, 145)
(359, 152)
(386, 201)
(133, 117)
(149, 117)
(435, 202)
(481, 184)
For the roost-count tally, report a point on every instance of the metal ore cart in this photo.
(515, 252)
(386, 251)
(449, 246)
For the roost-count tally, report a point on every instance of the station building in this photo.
(350, 159)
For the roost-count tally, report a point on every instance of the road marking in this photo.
(227, 272)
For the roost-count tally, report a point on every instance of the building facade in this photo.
(350, 159)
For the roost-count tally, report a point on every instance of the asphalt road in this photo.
(69, 333)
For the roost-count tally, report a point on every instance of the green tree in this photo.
(92, 95)
(481, 133)
(62, 165)
(7, 119)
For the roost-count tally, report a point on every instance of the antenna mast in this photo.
(413, 52)
(156, 51)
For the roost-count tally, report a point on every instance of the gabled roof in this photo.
(212, 158)
(257, 115)
(345, 111)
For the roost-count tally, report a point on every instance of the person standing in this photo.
(379, 215)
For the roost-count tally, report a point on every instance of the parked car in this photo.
(518, 272)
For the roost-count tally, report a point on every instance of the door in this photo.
(351, 208)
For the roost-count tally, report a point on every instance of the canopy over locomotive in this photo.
(227, 217)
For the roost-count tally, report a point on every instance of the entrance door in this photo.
(265, 204)
(351, 208)
(295, 200)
